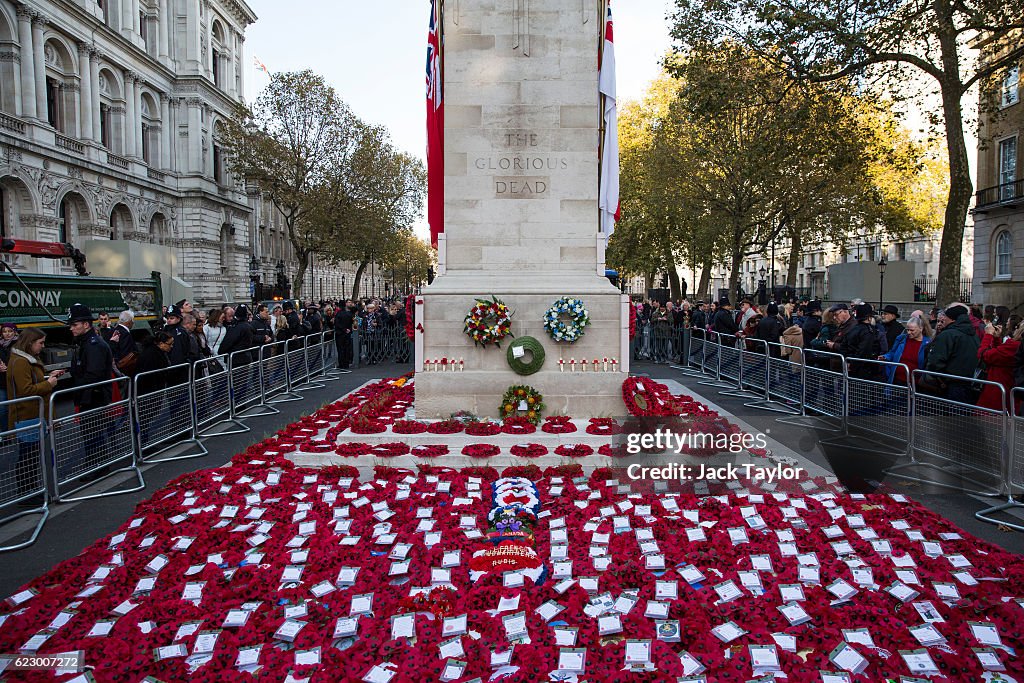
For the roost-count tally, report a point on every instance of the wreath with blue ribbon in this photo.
(566, 330)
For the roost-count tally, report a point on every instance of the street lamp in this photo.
(881, 280)
(343, 290)
(254, 277)
(762, 293)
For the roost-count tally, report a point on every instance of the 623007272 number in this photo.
(65, 661)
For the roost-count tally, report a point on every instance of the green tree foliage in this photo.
(344, 191)
(883, 42)
(733, 156)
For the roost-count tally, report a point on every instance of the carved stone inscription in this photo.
(520, 158)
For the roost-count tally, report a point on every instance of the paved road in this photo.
(73, 527)
(957, 506)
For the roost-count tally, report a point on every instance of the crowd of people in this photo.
(980, 344)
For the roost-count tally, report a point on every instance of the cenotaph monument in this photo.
(521, 222)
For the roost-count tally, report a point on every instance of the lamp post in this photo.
(881, 280)
(254, 277)
(762, 287)
(343, 290)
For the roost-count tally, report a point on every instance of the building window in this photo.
(1007, 167)
(145, 143)
(901, 251)
(105, 125)
(62, 221)
(218, 165)
(1011, 85)
(1004, 255)
(53, 102)
(216, 67)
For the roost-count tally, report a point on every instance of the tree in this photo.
(888, 40)
(409, 261)
(290, 144)
(368, 204)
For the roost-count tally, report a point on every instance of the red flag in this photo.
(435, 127)
(608, 196)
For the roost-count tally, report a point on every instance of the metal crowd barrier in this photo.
(211, 387)
(313, 361)
(781, 390)
(274, 360)
(878, 407)
(714, 363)
(248, 395)
(822, 401)
(754, 368)
(693, 354)
(1013, 469)
(381, 345)
(960, 440)
(163, 413)
(23, 468)
(88, 442)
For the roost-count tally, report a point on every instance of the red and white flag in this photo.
(608, 197)
(260, 66)
(435, 127)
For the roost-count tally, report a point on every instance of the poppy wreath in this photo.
(483, 428)
(390, 450)
(481, 450)
(446, 427)
(408, 427)
(558, 424)
(521, 400)
(646, 398)
(519, 364)
(560, 330)
(517, 426)
(352, 449)
(529, 450)
(430, 451)
(576, 450)
(488, 322)
(603, 426)
(632, 321)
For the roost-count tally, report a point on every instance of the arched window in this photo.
(1004, 254)
(63, 220)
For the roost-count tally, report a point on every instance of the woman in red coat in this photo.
(999, 354)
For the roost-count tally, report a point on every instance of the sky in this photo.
(374, 54)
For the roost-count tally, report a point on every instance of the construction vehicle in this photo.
(40, 300)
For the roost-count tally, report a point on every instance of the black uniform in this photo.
(261, 330)
(93, 363)
(343, 321)
(179, 352)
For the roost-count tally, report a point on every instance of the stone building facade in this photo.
(109, 117)
(999, 201)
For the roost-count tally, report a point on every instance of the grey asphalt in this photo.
(75, 526)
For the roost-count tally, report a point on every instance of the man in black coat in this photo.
(239, 336)
(343, 321)
(262, 330)
(861, 342)
(725, 321)
(812, 323)
(294, 328)
(891, 324)
(126, 353)
(315, 320)
(93, 361)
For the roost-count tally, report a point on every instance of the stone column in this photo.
(167, 28)
(208, 33)
(28, 71)
(193, 42)
(165, 131)
(173, 162)
(136, 26)
(244, 67)
(232, 64)
(161, 30)
(86, 100)
(130, 132)
(127, 22)
(94, 78)
(39, 58)
(75, 131)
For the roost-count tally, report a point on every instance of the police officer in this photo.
(179, 352)
(93, 362)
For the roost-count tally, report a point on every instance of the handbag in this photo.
(127, 363)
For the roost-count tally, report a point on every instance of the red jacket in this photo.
(1000, 358)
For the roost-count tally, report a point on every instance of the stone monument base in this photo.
(479, 388)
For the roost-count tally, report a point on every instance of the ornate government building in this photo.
(109, 117)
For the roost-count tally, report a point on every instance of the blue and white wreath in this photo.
(562, 331)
